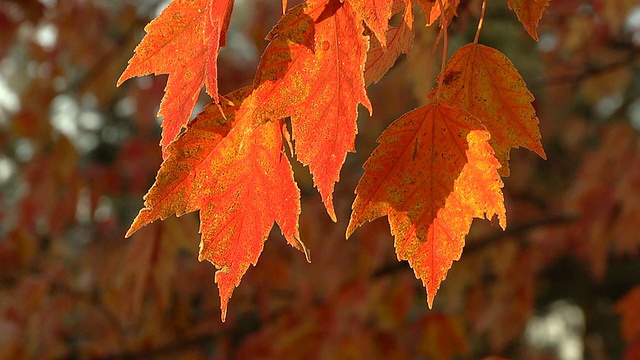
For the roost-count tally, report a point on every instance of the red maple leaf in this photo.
(240, 184)
(433, 172)
(184, 42)
(312, 71)
(376, 14)
(398, 41)
(436, 168)
(484, 82)
(529, 13)
(432, 9)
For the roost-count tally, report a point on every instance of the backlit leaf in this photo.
(433, 172)
(484, 82)
(529, 13)
(241, 185)
(376, 14)
(312, 71)
(432, 10)
(184, 42)
(398, 41)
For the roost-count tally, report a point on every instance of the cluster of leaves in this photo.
(437, 167)
(73, 287)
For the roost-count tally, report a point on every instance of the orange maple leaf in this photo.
(484, 82)
(184, 42)
(240, 184)
(432, 9)
(529, 13)
(312, 70)
(376, 14)
(398, 41)
(433, 172)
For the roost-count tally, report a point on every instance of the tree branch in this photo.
(589, 71)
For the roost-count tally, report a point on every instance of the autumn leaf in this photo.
(398, 41)
(241, 185)
(433, 172)
(484, 82)
(184, 42)
(376, 14)
(529, 13)
(312, 70)
(432, 9)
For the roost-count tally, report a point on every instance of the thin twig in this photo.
(481, 21)
(445, 42)
(491, 239)
(590, 71)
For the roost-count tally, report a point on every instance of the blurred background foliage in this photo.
(77, 154)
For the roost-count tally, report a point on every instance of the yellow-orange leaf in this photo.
(376, 14)
(398, 41)
(433, 172)
(184, 42)
(240, 184)
(312, 71)
(484, 82)
(529, 13)
(432, 9)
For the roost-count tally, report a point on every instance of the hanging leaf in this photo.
(241, 185)
(376, 14)
(312, 71)
(529, 13)
(398, 41)
(184, 42)
(484, 82)
(432, 9)
(432, 173)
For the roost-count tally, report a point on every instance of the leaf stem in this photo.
(481, 21)
(445, 42)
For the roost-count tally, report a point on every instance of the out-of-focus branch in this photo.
(519, 229)
(589, 71)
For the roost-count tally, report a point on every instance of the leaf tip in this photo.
(541, 153)
(304, 249)
(502, 220)
(141, 220)
(332, 214)
(367, 104)
(430, 297)
(121, 79)
(351, 228)
(130, 232)
(225, 288)
(328, 204)
(126, 74)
